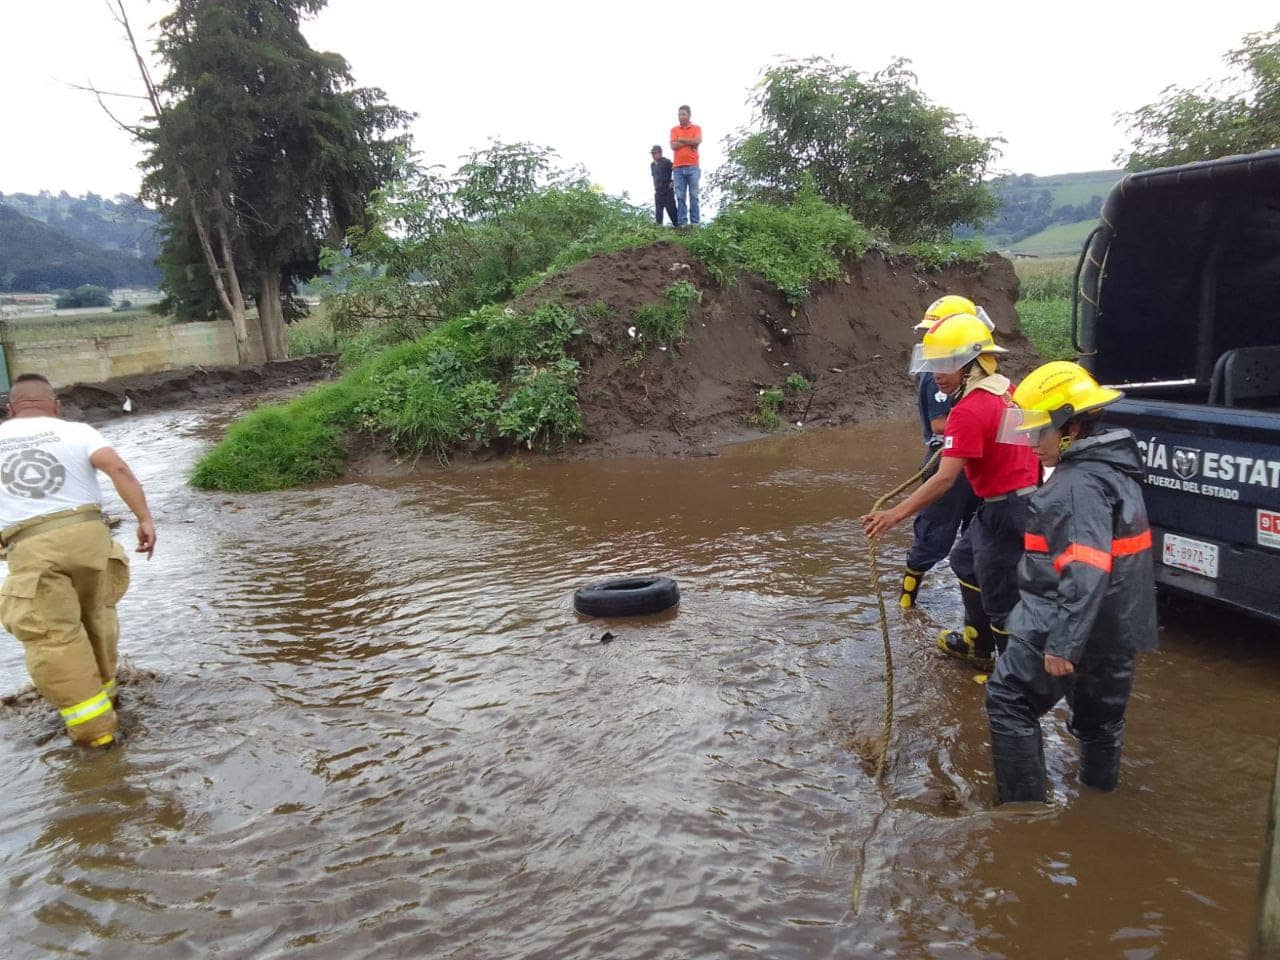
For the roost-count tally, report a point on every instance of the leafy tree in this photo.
(438, 244)
(1240, 114)
(87, 295)
(873, 145)
(278, 147)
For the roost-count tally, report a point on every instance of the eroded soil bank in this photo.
(850, 339)
(149, 392)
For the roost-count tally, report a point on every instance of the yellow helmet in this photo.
(952, 343)
(1050, 396)
(950, 305)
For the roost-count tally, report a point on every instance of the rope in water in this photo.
(884, 616)
(887, 732)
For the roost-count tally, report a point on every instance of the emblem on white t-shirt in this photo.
(32, 473)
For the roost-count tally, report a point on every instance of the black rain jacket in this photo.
(1087, 577)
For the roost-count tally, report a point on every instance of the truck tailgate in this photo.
(1212, 490)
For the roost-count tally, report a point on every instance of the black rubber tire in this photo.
(628, 597)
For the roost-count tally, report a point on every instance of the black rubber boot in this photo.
(962, 644)
(976, 624)
(1019, 766)
(1100, 765)
(911, 580)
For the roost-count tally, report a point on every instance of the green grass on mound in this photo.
(498, 375)
(493, 374)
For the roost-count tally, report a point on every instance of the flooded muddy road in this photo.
(378, 729)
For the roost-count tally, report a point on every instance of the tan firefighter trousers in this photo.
(60, 601)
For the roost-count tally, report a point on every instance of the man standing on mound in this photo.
(686, 138)
(66, 574)
(664, 197)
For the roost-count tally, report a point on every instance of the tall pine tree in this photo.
(280, 149)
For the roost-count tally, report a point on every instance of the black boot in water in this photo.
(1100, 765)
(1019, 766)
(910, 588)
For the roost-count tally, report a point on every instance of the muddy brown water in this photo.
(378, 729)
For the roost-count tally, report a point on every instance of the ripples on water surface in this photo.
(380, 730)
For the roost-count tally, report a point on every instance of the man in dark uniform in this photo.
(936, 526)
(1087, 596)
(664, 194)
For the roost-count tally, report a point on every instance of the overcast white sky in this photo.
(600, 82)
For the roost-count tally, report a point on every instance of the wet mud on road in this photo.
(376, 728)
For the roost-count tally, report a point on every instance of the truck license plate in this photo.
(1194, 555)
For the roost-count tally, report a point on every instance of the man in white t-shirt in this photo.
(66, 574)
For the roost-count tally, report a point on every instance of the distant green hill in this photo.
(1031, 206)
(123, 223)
(1058, 240)
(35, 257)
(1065, 189)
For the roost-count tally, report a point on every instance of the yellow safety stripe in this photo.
(87, 710)
(109, 687)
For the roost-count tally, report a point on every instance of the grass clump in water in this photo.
(492, 375)
(283, 445)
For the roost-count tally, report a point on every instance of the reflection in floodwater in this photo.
(377, 729)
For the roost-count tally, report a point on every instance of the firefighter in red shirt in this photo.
(961, 354)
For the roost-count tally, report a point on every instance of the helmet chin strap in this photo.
(972, 374)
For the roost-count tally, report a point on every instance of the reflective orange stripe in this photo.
(1079, 553)
(1126, 546)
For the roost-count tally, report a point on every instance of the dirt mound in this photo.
(850, 339)
(96, 402)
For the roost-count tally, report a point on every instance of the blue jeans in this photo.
(686, 178)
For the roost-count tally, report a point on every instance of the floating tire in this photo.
(628, 597)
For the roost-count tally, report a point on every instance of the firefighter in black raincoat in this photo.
(1087, 601)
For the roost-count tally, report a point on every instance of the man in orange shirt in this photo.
(685, 172)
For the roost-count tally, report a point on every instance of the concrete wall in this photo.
(65, 358)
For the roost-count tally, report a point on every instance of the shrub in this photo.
(797, 383)
(936, 255)
(311, 335)
(86, 295)
(543, 406)
(792, 247)
(664, 323)
(768, 404)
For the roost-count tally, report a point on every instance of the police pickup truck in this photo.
(1177, 302)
